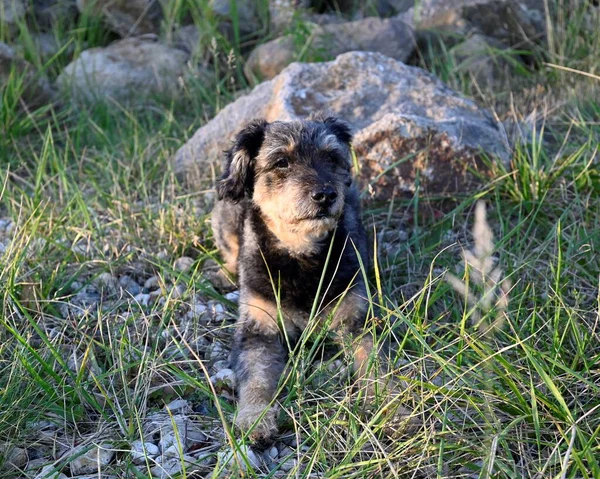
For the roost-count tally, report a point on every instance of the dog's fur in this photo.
(286, 201)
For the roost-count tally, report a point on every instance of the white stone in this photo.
(92, 460)
(47, 473)
(183, 264)
(140, 451)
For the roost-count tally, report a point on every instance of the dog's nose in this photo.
(324, 195)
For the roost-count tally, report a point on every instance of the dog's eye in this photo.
(281, 163)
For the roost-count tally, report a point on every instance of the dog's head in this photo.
(297, 174)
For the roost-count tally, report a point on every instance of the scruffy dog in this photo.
(287, 201)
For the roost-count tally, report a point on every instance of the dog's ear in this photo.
(239, 170)
(339, 128)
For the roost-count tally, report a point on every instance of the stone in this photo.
(513, 22)
(35, 90)
(231, 458)
(477, 57)
(178, 406)
(407, 123)
(126, 17)
(50, 472)
(49, 12)
(170, 466)
(142, 451)
(152, 283)
(130, 285)
(17, 457)
(247, 13)
(107, 282)
(12, 13)
(391, 37)
(130, 69)
(183, 264)
(282, 12)
(94, 459)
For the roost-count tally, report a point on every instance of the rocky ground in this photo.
(115, 327)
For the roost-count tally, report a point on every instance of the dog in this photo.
(287, 219)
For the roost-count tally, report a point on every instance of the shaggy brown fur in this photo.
(286, 198)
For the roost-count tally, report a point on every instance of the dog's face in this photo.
(296, 173)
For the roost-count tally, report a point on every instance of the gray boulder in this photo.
(35, 89)
(409, 127)
(126, 17)
(129, 69)
(513, 22)
(391, 36)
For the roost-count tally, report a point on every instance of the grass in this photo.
(89, 190)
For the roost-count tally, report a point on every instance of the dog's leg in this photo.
(226, 226)
(259, 356)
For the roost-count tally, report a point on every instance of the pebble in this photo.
(183, 264)
(170, 467)
(152, 283)
(130, 285)
(46, 473)
(178, 291)
(197, 310)
(234, 296)
(226, 457)
(106, 281)
(93, 460)
(178, 406)
(173, 436)
(142, 450)
(17, 457)
(142, 299)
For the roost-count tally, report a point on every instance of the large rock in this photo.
(129, 69)
(126, 17)
(392, 37)
(35, 90)
(407, 124)
(513, 22)
(48, 12)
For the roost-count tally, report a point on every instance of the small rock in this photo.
(142, 299)
(152, 283)
(107, 282)
(93, 460)
(173, 432)
(178, 291)
(171, 466)
(234, 296)
(17, 457)
(195, 435)
(273, 453)
(172, 451)
(178, 406)
(197, 310)
(49, 472)
(130, 285)
(248, 16)
(127, 18)
(227, 457)
(183, 264)
(141, 451)
(13, 13)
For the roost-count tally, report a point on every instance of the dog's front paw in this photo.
(258, 419)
